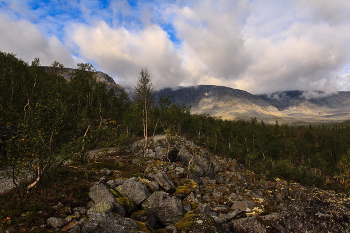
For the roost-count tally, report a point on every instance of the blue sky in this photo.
(258, 46)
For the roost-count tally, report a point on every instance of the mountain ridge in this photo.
(285, 106)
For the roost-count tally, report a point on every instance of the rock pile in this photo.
(191, 190)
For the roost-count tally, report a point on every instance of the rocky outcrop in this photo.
(224, 197)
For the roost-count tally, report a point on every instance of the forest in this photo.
(49, 120)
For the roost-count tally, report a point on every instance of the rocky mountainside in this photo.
(184, 188)
(286, 107)
(68, 73)
(221, 101)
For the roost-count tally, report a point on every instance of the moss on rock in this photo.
(182, 191)
(144, 227)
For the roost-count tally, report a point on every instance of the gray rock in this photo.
(165, 182)
(109, 223)
(155, 185)
(118, 182)
(120, 190)
(227, 217)
(180, 170)
(100, 193)
(184, 156)
(102, 208)
(56, 222)
(111, 184)
(81, 210)
(168, 208)
(207, 166)
(249, 225)
(192, 198)
(217, 193)
(106, 172)
(243, 205)
(204, 209)
(135, 191)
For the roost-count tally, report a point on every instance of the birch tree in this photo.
(144, 91)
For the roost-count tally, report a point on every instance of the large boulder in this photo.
(165, 182)
(168, 208)
(206, 166)
(135, 191)
(100, 193)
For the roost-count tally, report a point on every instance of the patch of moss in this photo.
(182, 191)
(125, 201)
(161, 231)
(193, 205)
(186, 222)
(192, 185)
(139, 214)
(144, 227)
(115, 193)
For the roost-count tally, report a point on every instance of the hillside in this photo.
(187, 189)
(287, 107)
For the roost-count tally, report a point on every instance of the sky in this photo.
(260, 46)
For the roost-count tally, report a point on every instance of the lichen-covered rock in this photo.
(102, 208)
(197, 222)
(165, 182)
(100, 193)
(135, 191)
(168, 208)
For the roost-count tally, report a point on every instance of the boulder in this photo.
(109, 223)
(135, 191)
(101, 208)
(165, 182)
(100, 193)
(168, 208)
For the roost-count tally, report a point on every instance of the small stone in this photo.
(56, 222)
(204, 209)
(118, 182)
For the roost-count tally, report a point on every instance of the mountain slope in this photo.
(222, 101)
(286, 107)
(68, 73)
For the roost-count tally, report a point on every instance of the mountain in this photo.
(286, 107)
(68, 73)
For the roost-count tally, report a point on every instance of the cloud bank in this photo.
(257, 46)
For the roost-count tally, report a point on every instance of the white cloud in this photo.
(122, 53)
(28, 42)
(257, 46)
